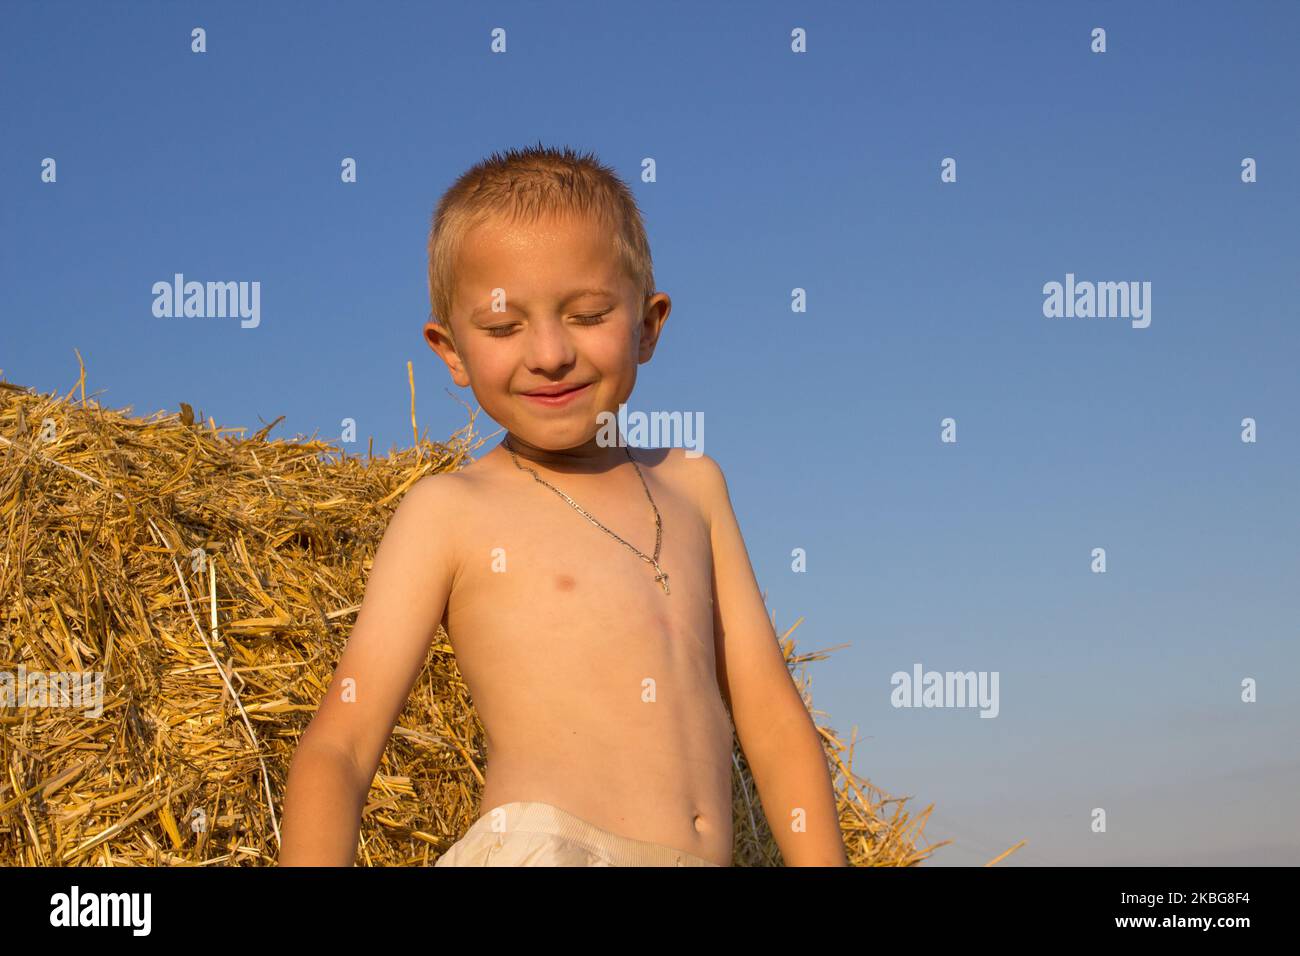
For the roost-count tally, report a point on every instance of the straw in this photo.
(116, 526)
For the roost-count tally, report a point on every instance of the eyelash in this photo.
(502, 331)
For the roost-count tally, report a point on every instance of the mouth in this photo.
(553, 397)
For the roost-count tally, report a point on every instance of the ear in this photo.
(440, 340)
(657, 307)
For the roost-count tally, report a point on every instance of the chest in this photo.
(528, 555)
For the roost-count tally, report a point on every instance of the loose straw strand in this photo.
(415, 431)
(266, 778)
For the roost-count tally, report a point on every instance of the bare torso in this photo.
(559, 649)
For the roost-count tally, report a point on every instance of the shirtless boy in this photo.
(607, 664)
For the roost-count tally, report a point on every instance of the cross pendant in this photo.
(662, 579)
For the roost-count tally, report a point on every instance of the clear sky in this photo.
(779, 170)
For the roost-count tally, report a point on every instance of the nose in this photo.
(548, 347)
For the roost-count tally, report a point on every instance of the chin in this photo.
(550, 439)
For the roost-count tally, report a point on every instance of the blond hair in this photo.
(525, 185)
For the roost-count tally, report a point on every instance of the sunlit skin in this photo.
(557, 327)
(599, 692)
(601, 605)
(596, 622)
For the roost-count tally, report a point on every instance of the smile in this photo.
(556, 401)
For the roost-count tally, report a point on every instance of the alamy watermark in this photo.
(946, 689)
(75, 908)
(656, 430)
(1098, 300)
(77, 689)
(209, 300)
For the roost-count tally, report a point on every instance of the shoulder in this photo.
(433, 505)
(433, 491)
(459, 486)
(423, 536)
(477, 474)
(702, 478)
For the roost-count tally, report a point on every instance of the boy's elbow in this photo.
(317, 746)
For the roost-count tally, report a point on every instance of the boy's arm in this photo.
(406, 595)
(776, 732)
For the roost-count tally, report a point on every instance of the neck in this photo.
(587, 458)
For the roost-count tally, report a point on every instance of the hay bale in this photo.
(212, 580)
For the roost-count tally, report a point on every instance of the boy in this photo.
(599, 599)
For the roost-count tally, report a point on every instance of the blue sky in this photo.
(779, 170)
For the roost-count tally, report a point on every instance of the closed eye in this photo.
(501, 331)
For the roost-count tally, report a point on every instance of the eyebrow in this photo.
(575, 294)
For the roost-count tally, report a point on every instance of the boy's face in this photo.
(570, 316)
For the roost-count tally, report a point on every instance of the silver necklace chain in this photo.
(660, 576)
